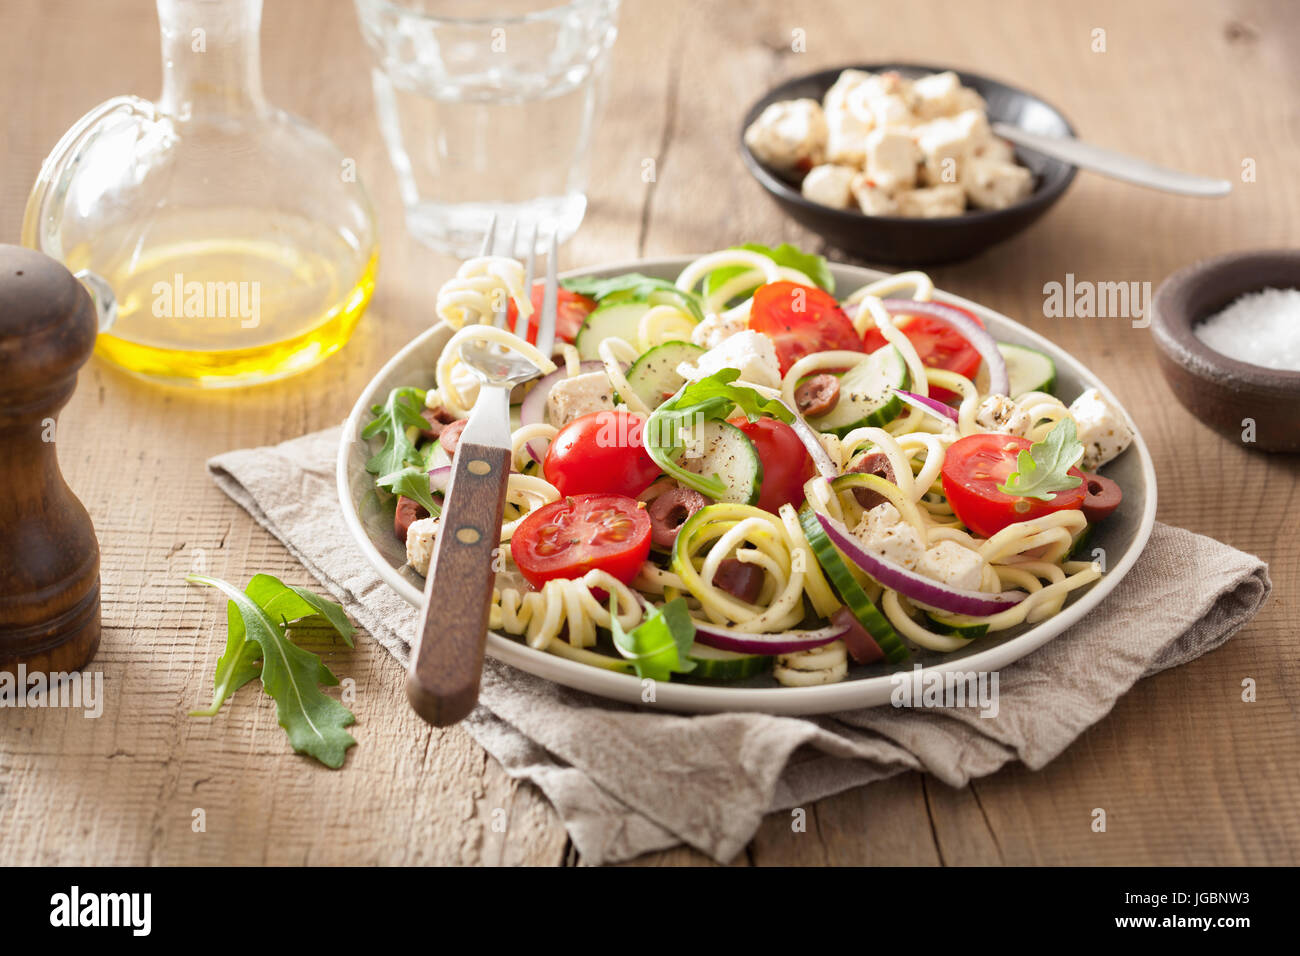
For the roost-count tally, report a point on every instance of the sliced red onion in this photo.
(439, 478)
(967, 328)
(746, 642)
(533, 409)
(917, 586)
(931, 406)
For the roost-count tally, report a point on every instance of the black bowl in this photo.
(915, 242)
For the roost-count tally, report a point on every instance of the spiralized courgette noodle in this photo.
(567, 616)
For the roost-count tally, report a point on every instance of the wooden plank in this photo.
(1187, 772)
(1176, 744)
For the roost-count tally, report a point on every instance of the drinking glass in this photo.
(488, 109)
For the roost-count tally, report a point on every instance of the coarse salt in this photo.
(1260, 328)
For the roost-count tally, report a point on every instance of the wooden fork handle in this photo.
(447, 662)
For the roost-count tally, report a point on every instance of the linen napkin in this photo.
(628, 780)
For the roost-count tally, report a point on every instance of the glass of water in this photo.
(488, 108)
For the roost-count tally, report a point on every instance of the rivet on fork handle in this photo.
(443, 681)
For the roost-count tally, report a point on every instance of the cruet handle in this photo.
(42, 218)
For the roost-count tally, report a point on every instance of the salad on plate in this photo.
(747, 471)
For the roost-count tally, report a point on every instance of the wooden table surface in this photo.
(1187, 772)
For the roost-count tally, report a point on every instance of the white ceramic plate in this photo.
(1122, 537)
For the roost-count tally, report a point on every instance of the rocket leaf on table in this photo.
(259, 618)
(403, 409)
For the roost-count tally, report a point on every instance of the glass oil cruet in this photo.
(224, 241)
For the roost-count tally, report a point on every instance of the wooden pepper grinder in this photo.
(49, 558)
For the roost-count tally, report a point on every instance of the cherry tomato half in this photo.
(786, 463)
(571, 310)
(570, 537)
(801, 319)
(973, 469)
(601, 452)
(937, 345)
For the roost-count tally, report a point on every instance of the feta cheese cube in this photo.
(883, 531)
(996, 149)
(948, 141)
(836, 98)
(873, 199)
(572, 398)
(952, 564)
(991, 184)
(420, 537)
(892, 158)
(880, 85)
(716, 328)
(846, 137)
(891, 111)
(1102, 428)
(967, 99)
(936, 95)
(997, 413)
(933, 202)
(830, 185)
(789, 136)
(751, 352)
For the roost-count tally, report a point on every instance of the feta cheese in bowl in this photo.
(898, 163)
(928, 136)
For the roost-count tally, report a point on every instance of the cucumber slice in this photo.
(722, 449)
(714, 664)
(1028, 369)
(654, 375)
(609, 320)
(437, 457)
(858, 603)
(956, 625)
(867, 393)
(1080, 545)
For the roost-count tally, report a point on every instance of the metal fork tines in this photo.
(550, 293)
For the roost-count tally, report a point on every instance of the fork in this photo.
(447, 661)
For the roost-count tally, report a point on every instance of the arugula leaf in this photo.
(657, 646)
(284, 602)
(413, 482)
(1043, 467)
(400, 412)
(713, 397)
(635, 286)
(810, 264)
(236, 666)
(290, 674)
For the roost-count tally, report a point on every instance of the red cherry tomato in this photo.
(571, 310)
(570, 537)
(937, 345)
(973, 469)
(801, 319)
(601, 452)
(786, 464)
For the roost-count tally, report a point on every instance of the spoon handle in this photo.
(1113, 164)
(447, 664)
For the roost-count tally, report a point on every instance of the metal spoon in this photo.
(1113, 164)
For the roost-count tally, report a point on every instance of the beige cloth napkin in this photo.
(627, 780)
